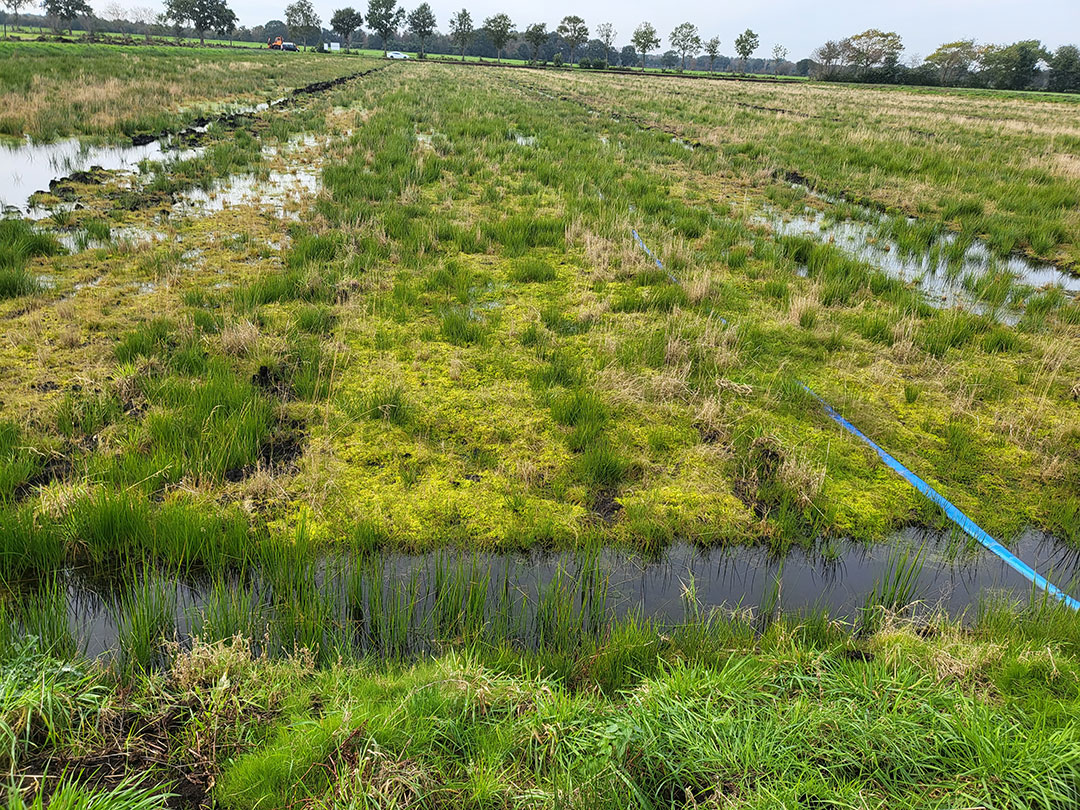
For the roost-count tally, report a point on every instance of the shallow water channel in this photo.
(948, 278)
(30, 167)
(522, 591)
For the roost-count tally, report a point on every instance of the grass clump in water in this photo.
(19, 243)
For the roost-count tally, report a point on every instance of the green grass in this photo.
(632, 717)
(43, 699)
(461, 328)
(495, 275)
(1016, 204)
(20, 460)
(38, 76)
(389, 402)
(458, 348)
(110, 529)
(529, 271)
(19, 243)
(130, 794)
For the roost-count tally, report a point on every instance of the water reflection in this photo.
(951, 576)
(950, 273)
(30, 167)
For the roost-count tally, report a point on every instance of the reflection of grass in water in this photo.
(44, 615)
(231, 608)
(960, 548)
(143, 619)
(897, 588)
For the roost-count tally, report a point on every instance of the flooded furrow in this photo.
(951, 272)
(31, 168)
(355, 595)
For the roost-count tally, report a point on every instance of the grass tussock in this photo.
(19, 243)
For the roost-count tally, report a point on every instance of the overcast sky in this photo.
(800, 25)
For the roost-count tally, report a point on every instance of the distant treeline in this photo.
(875, 56)
(553, 49)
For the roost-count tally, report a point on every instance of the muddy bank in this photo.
(199, 125)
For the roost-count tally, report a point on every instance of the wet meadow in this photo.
(355, 452)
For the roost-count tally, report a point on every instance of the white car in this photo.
(396, 55)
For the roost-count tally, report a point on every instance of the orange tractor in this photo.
(275, 44)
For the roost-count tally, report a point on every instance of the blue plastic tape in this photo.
(659, 264)
(652, 255)
(954, 514)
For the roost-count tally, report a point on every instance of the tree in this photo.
(712, 50)
(276, 28)
(1012, 67)
(302, 21)
(1065, 70)
(573, 31)
(645, 39)
(874, 48)
(953, 60)
(828, 57)
(115, 13)
(13, 6)
(745, 45)
(384, 18)
(461, 30)
(421, 22)
(605, 32)
(204, 15)
(685, 40)
(143, 17)
(628, 56)
(344, 21)
(536, 35)
(779, 54)
(164, 23)
(226, 25)
(669, 59)
(499, 28)
(64, 11)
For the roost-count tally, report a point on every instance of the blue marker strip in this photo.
(659, 264)
(954, 514)
(652, 255)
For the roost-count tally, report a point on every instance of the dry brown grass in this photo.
(240, 338)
